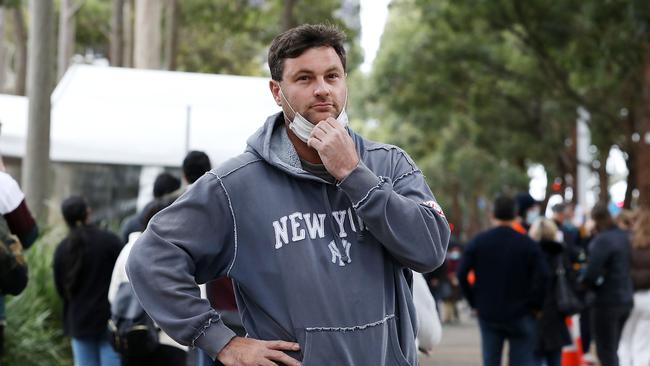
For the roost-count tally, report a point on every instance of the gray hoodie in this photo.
(325, 265)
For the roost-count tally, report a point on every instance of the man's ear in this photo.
(274, 86)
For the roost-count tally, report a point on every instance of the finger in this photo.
(283, 345)
(332, 122)
(265, 362)
(315, 143)
(318, 133)
(283, 358)
(325, 126)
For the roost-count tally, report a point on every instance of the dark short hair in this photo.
(505, 208)
(74, 210)
(165, 183)
(601, 216)
(195, 164)
(295, 41)
(524, 201)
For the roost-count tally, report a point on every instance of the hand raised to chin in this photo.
(335, 148)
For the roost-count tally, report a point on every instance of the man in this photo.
(165, 184)
(509, 287)
(316, 226)
(608, 275)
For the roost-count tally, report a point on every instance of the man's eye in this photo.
(333, 76)
(303, 78)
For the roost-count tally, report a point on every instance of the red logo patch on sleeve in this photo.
(435, 206)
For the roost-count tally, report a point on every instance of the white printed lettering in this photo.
(281, 232)
(296, 235)
(315, 226)
(339, 216)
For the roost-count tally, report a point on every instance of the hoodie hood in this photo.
(271, 143)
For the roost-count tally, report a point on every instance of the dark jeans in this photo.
(585, 328)
(520, 334)
(552, 358)
(163, 355)
(607, 324)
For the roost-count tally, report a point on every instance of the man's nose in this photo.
(322, 87)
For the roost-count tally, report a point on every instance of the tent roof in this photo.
(143, 117)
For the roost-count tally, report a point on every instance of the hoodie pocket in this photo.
(369, 344)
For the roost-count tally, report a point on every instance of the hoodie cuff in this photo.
(214, 338)
(360, 183)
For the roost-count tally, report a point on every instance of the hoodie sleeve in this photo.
(401, 212)
(189, 242)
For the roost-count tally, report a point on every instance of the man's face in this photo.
(313, 83)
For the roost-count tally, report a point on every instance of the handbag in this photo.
(568, 303)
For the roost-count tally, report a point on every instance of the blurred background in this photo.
(97, 97)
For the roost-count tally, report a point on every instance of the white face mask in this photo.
(532, 215)
(302, 127)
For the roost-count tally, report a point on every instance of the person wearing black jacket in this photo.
(83, 265)
(510, 280)
(553, 333)
(608, 275)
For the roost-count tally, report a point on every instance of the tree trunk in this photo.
(643, 128)
(288, 19)
(171, 34)
(631, 165)
(603, 181)
(3, 51)
(20, 32)
(147, 34)
(117, 34)
(36, 161)
(128, 34)
(66, 37)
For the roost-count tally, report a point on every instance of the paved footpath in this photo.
(460, 346)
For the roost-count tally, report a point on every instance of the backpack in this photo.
(133, 332)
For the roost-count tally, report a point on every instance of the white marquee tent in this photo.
(143, 117)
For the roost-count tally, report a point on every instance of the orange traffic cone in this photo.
(572, 354)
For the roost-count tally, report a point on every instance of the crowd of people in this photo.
(89, 274)
(526, 274)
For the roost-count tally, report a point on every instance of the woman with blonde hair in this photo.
(634, 349)
(552, 331)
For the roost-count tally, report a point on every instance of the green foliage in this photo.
(93, 26)
(479, 91)
(33, 334)
(224, 36)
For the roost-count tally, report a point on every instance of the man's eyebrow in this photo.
(309, 71)
(302, 71)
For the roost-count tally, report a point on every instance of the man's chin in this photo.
(317, 118)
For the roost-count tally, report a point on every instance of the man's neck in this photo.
(304, 152)
(497, 222)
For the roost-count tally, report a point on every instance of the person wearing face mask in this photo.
(528, 210)
(319, 229)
